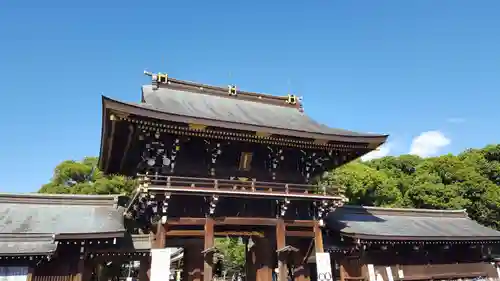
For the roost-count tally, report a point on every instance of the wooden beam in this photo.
(240, 221)
(186, 221)
(298, 233)
(203, 191)
(246, 221)
(110, 139)
(208, 243)
(131, 134)
(201, 233)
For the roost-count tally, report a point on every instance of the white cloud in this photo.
(429, 143)
(380, 152)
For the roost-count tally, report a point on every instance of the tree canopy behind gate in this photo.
(470, 180)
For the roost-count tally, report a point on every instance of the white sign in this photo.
(498, 271)
(389, 274)
(160, 264)
(324, 267)
(371, 273)
(13, 273)
(401, 274)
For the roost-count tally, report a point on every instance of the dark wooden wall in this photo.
(193, 161)
(430, 262)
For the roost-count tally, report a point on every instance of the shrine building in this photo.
(223, 162)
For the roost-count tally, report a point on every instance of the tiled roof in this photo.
(238, 111)
(411, 224)
(27, 245)
(35, 217)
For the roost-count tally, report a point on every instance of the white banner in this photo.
(13, 273)
(160, 264)
(371, 273)
(324, 267)
(389, 274)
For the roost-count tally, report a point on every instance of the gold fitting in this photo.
(162, 78)
(197, 127)
(291, 99)
(232, 90)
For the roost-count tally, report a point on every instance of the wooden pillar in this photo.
(89, 268)
(144, 266)
(208, 246)
(158, 241)
(250, 263)
(342, 269)
(301, 272)
(29, 277)
(161, 236)
(264, 259)
(79, 270)
(185, 264)
(280, 244)
(318, 238)
(193, 261)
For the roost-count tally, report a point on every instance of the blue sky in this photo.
(398, 67)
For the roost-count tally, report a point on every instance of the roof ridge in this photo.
(59, 199)
(160, 80)
(406, 211)
(216, 95)
(27, 237)
(140, 237)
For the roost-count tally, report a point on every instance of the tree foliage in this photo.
(83, 177)
(233, 252)
(470, 180)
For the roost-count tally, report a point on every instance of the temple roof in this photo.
(372, 223)
(34, 218)
(37, 244)
(188, 102)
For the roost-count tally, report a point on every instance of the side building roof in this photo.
(30, 223)
(372, 223)
(27, 245)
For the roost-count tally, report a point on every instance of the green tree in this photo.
(401, 169)
(470, 180)
(366, 186)
(233, 252)
(83, 177)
